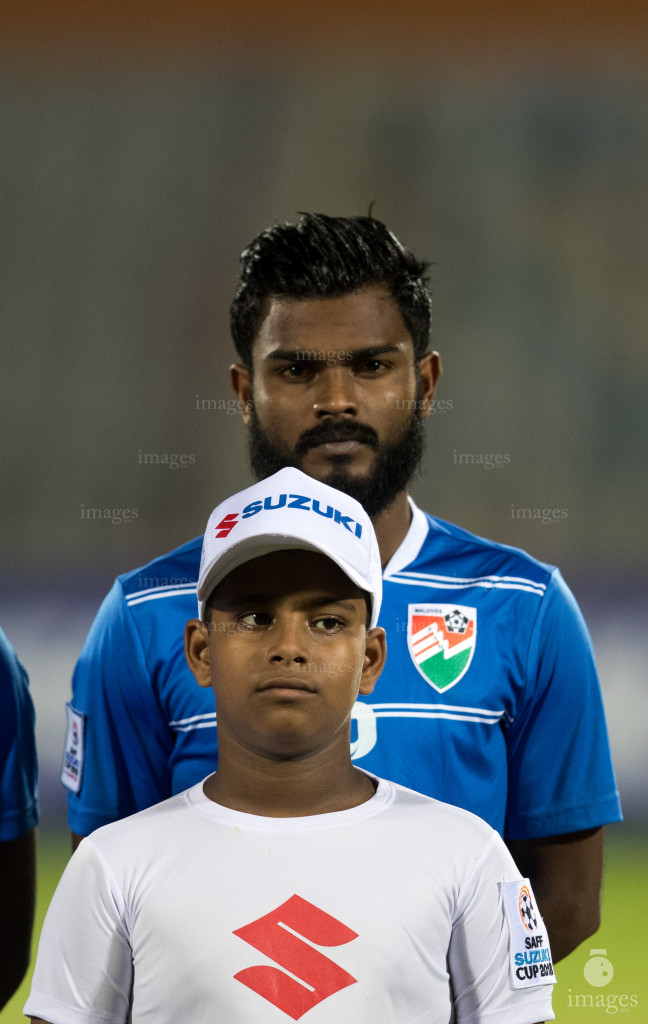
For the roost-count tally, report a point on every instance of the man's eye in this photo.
(295, 370)
(371, 366)
(255, 619)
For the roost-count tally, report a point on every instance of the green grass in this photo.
(575, 1001)
(625, 893)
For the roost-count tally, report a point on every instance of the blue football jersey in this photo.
(18, 768)
(489, 699)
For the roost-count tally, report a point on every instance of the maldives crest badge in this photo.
(441, 641)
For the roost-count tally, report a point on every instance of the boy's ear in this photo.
(374, 659)
(196, 640)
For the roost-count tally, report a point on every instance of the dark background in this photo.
(143, 146)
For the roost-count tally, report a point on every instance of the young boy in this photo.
(291, 884)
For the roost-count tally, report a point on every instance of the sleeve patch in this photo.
(72, 770)
(530, 960)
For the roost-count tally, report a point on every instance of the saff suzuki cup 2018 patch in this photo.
(530, 960)
(72, 770)
(441, 640)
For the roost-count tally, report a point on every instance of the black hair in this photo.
(326, 257)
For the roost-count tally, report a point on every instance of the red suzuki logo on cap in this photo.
(226, 525)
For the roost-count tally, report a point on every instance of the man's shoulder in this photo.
(473, 557)
(16, 721)
(140, 624)
(13, 676)
(173, 572)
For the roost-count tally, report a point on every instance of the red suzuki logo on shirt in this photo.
(274, 935)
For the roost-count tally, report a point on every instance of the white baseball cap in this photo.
(291, 510)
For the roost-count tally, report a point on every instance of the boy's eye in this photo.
(328, 623)
(255, 619)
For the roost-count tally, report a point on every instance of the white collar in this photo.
(411, 543)
(196, 798)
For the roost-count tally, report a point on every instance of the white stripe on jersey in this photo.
(448, 711)
(419, 579)
(191, 585)
(452, 711)
(207, 721)
(189, 590)
(410, 578)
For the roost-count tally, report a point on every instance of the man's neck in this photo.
(287, 789)
(391, 527)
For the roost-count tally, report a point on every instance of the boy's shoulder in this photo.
(397, 822)
(454, 822)
(391, 798)
(137, 831)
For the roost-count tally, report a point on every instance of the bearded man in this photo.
(489, 699)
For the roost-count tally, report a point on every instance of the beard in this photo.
(396, 463)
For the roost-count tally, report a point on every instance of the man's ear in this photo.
(430, 369)
(374, 659)
(242, 388)
(196, 641)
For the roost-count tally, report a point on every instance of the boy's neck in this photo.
(287, 789)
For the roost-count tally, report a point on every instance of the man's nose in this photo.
(335, 393)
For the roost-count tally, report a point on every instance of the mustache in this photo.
(345, 430)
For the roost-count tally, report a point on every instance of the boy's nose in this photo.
(299, 658)
(287, 645)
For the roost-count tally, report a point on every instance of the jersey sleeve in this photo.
(561, 778)
(486, 947)
(84, 965)
(118, 744)
(18, 766)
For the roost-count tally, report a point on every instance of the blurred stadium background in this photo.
(143, 147)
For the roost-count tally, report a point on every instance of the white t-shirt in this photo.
(393, 912)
